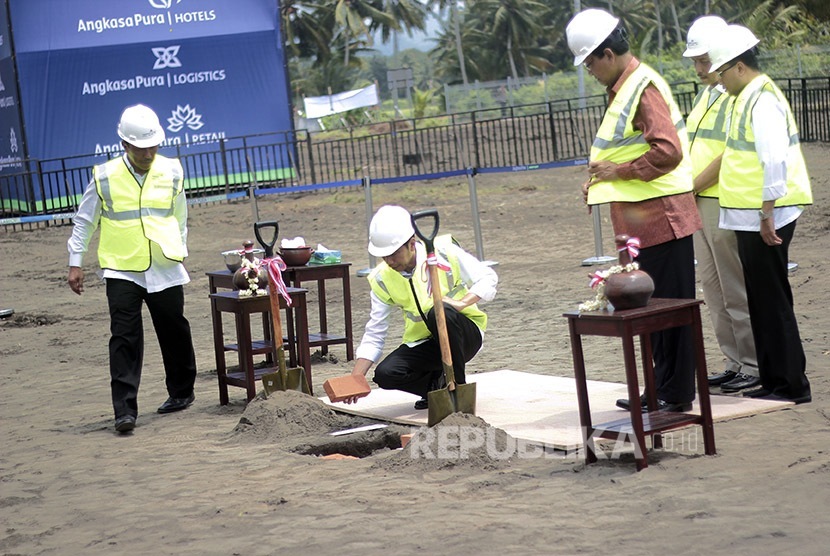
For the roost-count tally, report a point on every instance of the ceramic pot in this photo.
(241, 276)
(628, 290)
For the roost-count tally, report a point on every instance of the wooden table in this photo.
(242, 308)
(295, 276)
(659, 314)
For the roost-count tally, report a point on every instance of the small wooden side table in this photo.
(659, 314)
(295, 276)
(245, 346)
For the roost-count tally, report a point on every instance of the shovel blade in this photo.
(295, 379)
(286, 379)
(272, 382)
(443, 402)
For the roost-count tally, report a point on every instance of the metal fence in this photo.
(47, 192)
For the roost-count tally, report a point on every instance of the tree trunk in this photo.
(457, 28)
(678, 32)
(510, 57)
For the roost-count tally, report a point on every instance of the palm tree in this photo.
(305, 35)
(352, 17)
(456, 24)
(409, 15)
(515, 23)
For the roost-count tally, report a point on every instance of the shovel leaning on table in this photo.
(453, 397)
(283, 378)
(267, 246)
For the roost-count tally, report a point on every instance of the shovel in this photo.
(283, 378)
(453, 397)
(268, 246)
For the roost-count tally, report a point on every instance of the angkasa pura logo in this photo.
(163, 4)
(184, 116)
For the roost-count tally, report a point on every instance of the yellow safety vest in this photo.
(618, 141)
(132, 215)
(393, 289)
(741, 173)
(706, 124)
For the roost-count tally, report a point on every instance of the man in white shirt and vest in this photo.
(400, 282)
(138, 201)
(764, 187)
(718, 264)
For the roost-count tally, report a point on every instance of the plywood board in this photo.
(539, 409)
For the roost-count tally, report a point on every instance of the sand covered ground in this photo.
(247, 479)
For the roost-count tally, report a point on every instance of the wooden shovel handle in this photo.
(276, 316)
(441, 322)
(437, 298)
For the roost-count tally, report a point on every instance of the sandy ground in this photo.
(245, 478)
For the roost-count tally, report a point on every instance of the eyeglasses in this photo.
(727, 68)
(590, 63)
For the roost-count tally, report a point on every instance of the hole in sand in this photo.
(359, 445)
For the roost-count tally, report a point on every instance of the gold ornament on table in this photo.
(623, 285)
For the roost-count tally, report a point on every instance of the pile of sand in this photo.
(459, 440)
(286, 414)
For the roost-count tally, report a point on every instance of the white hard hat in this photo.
(736, 40)
(587, 30)
(139, 126)
(703, 32)
(390, 228)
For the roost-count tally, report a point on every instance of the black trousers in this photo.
(411, 369)
(126, 344)
(672, 267)
(781, 361)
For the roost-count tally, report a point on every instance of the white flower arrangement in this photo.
(251, 272)
(598, 282)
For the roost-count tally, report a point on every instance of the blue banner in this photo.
(68, 24)
(211, 69)
(12, 147)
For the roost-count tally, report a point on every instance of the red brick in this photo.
(405, 438)
(348, 386)
(338, 456)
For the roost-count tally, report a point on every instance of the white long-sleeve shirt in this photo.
(772, 142)
(162, 274)
(479, 278)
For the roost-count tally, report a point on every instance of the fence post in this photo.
(311, 164)
(553, 138)
(805, 132)
(223, 151)
(367, 193)
(477, 161)
(471, 181)
(598, 258)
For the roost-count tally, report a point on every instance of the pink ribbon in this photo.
(633, 246)
(596, 279)
(275, 267)
(434, 260)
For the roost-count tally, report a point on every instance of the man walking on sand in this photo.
(138, 201)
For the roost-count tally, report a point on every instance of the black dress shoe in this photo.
(423, 403)
(725, 376)
(622, 403)
(671, 406)
(125, 423)
(176, 404)
(741, 382)
(757, 393)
